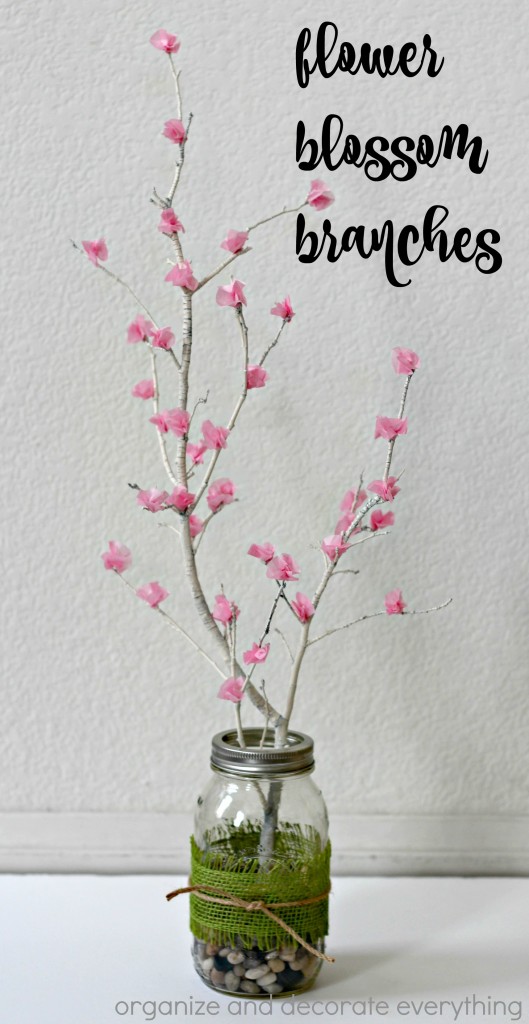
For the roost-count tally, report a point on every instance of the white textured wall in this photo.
(103, 708)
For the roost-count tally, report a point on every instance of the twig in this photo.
(226, 263)
(374, 615)
(273, 343)
(267, 716)
(266, 632)
(391, 444)
(285, 641)
(119, 280)
(281, 213)
(156, 405)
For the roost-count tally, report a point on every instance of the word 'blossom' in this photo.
(96, 251)
(224, 610)
(118, 557)
(334, 547)
(139, 330)
(320, 196)
(180, 498)
(303, 607)
(283, 567)
(174, 131)
(232, 295)
(181, 275)
(152, 593)
(380, 519)
(389, 428)
(256, 377)
(386, 489)
(265, 552)
(163, 338)
(283, 309)
(235, 241)
(165, 41)
(256, 655)
(404, 360)
(143, 389)
(153, 500)
(214, 437)
(232, 689)
(169, 223)
(394, 603)
(220, 493)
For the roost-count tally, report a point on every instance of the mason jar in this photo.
(260, 876)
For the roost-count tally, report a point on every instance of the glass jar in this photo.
(260, 837)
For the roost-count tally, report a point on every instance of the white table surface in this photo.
(73, 947)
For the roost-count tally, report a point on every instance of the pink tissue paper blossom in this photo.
(165, 41)
(153, 500)
(283, 309)
(223, 610)
(345, 522)
(196, 453)
(174, 131)
(394, 603)
(265, 552)
(182, 276)
(389, 428)
(235, 241)
(320, 196)
(404, 360)
(334, 547)
(220, 493)
(231, 294)
(118, 557)
(143, 389)
(380, 519)
(256, 654)
(214, 437)
(196, 526)
(181, 498)
(96, 251)
(139, 330)
(169, 223)
(352, 500)
(256, 377)
(178, 421)
(303, 607)
(152, 593)
(160, 421)
(385, 489)
(283, 567)
(232, 689)
(164, 338)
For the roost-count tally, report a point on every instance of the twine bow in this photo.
(229, 900)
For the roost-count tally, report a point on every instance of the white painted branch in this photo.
(156, 406)
(281, 213)
(273, 343)
(226, 263)
(119, 280)
(374, 615)
(391, 444)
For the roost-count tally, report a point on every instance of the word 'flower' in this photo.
(235, 241)
(303, 607)
(181, 275)
(283, 309)
(118, 557)
(320, 196)
(394, 603)
(386, 489)
(256, 377)
(334, 547)
(389, 428)
(220, 493)
(404, 360)
(380, 519)
(174, 131)
(139, 330)
(232, 294)
(232, 689)
(165, 41)
(163, 338)
(224, 610)
(96, 251)
(283, 567)
(143, 389)
(214, 437)
(169, 223)
(196, 453)
(256, 654)
(180, 498)
(152, 593)
(153, 500)
(265, 552)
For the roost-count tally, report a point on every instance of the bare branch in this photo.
(226, 263)
(374, 615)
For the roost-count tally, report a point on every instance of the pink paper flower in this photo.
(196, 526)
(223, 610)
(174, 131)
(235, 241)
(214, 437)
(380, 519)
(283, 309)
(220, 493)
(178, 421)
(303, 607)
(386, 489)
(180, 498)
(196, 452)
(118, 557)
(256, 655)
(394, 603)
(181, 276)
(165, 41)
(334, 547)
(163, 338)
(96, 251)
(352, 500)
(153, 500)
(139, 330)
(160, 421)
(232, 689)
(283, 567)
(153, 594)
(265, 552)
(389, 428)
(231, 294)
(256, 377)
(143, 389)
(344, 522)
(320, 196)
(169, 223)
(404, 360)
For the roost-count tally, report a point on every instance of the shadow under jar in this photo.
(260, 836)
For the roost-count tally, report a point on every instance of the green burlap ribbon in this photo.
(235, 899)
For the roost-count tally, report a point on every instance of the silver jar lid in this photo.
(266, 761)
